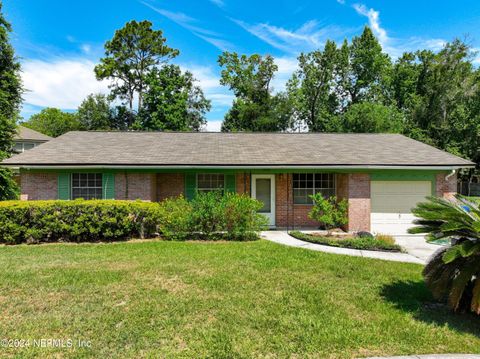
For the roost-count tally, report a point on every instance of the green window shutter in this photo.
(190, 185)
(230, 183)
(108, 186)
(64, 185)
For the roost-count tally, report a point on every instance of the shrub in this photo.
(329, 212)
(174, 218)
(208, 216)
(229, 216)
(75, 221)
(240, 217)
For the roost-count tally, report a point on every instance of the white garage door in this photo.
(392, 202)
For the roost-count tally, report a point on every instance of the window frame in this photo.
(88, 187)
(206, 190)
(314, 189)
(22, 145)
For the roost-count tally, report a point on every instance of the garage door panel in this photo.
(391, 204)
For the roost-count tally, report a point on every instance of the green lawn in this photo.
(193, 299)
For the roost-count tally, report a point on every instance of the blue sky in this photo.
(60, 42)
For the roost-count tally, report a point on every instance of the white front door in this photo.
(392, 202)
(263, 189)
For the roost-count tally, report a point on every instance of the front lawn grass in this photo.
(220, 300)
(365, 243)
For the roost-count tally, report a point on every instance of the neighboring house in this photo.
(26, 139)
(382, 176)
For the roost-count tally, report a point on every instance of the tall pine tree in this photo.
(10, 100)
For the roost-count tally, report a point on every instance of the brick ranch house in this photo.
(381, 175)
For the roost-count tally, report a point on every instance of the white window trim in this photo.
(314, 188)
(87, 187)
(209, 189)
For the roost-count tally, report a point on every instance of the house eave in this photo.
(234, 167)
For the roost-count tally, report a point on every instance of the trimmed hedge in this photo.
(207, 216)
(76, 221)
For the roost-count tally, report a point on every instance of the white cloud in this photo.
(218, 3)
(61, 83)
(393, 46)
(214, 126)
(286, 67)
(341, 2)
(374, 22)
(86, 48)
(191, 24)
(307, 37)
(209, 81)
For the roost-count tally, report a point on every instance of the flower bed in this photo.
(378, 243)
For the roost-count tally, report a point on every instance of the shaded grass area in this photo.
(221, 300)
(365, 243)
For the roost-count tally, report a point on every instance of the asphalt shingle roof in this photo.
(24, 133)
(234, 149)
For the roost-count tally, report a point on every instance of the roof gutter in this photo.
(241, 167)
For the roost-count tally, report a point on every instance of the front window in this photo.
(307, 184)
(207, 182)
(87, 185)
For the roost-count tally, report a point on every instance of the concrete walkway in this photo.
(282, 237)
(417, 246)
(433, 356)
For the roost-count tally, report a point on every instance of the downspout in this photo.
(447, 177)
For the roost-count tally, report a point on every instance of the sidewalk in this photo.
(282, 237)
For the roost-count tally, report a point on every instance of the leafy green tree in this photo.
(172, 102)
(254, 108)
(95, 113)
(312, 88)
(367, 117)
(453, 273)
(53, 122)
(10, 99)
(132, 53)
(439, 94)
(368, 69)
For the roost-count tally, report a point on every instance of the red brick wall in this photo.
(134, 186)
(242, 182)
(445, 188)
(359, 204)
(170, 185)
(38, 186)
(288, 214)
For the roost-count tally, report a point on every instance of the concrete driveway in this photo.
(417, 246)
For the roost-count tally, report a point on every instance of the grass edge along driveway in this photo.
(220, 299)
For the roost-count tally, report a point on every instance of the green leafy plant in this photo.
(366, 243)
(329, 212)
(228, 216)
(209, 216)
(453, 273)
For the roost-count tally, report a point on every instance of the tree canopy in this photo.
(172, 102)
(53, 122)
(133, 51)
(11, 91)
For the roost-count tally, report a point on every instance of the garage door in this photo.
(392, 202)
